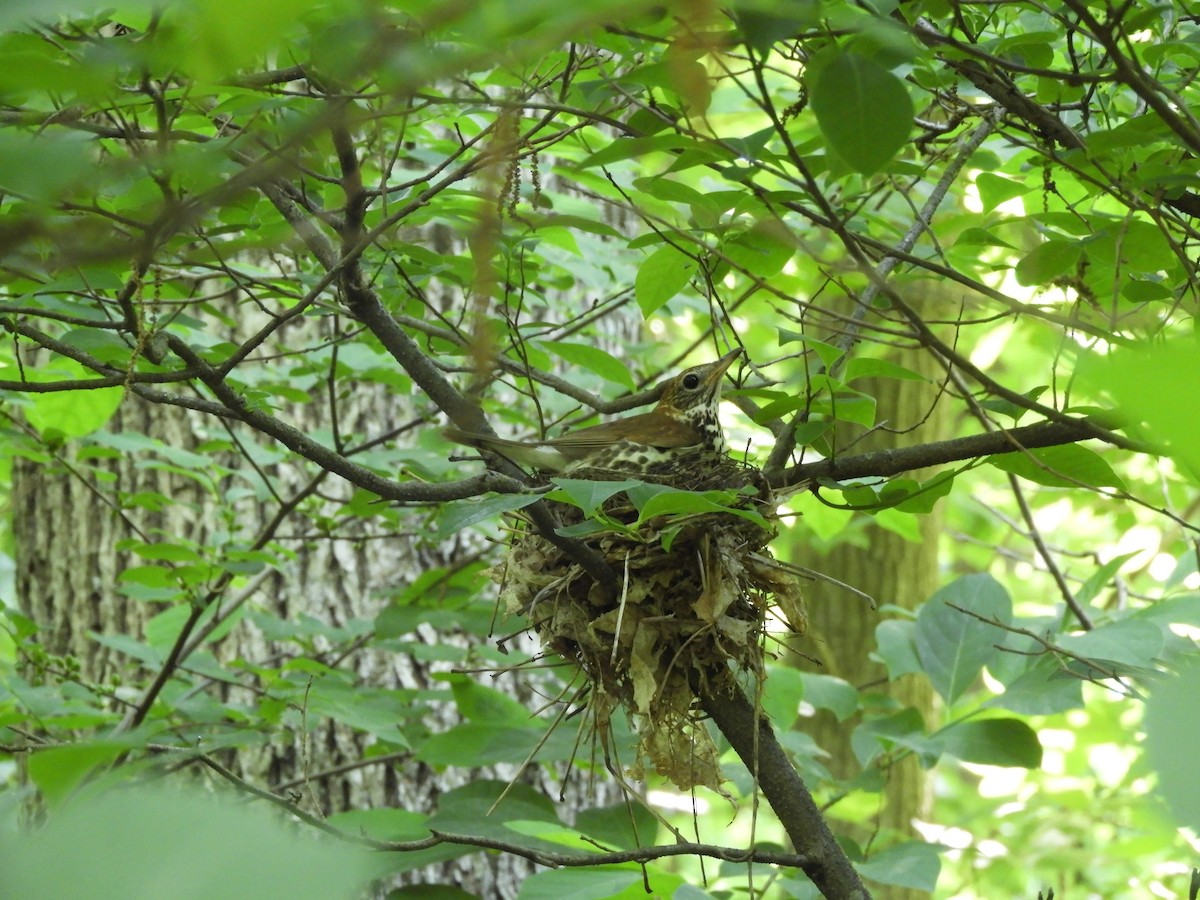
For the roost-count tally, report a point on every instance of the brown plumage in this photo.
(683, 424)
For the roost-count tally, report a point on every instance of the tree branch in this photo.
(863, 302)
(1002, 89)
(537, 855)
(366, 306)
(904, 459)
(750, 734)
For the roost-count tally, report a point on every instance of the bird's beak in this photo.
(717, 370)
(721, 365)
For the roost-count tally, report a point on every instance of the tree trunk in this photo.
(69, 522)
(892, 570)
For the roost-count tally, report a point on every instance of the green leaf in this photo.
(478, 703)
(593, 359)
(74, 413)
(619, 825)
(1154, 389)
(485, 744)
(762, 251)
(869, 367)
(59, 770)
(863, 110)
(859, 409)
(588, 495)
(635, 148)
(1030, 48)
(1183, 609)
(954, 646)
(1068, 465)
(828, 353)
(1146, 290)
(130, 646)
(905, 524)
(376, 711)
(908, 495)
(902, 729)
(895, 645)
(465, 810)
(1138, 246)
(994, 742)
(600, 881)
(780, 406)
(150, 576)
(461, 514)
(1020, 650)
(981, 237)
(1047, 261)
(672, 502)
(139, 842)
(599, 525)
(833, 694)
(164, 551)
(1172, 736)
(1008, 408)
(382, 824)
(218, 37)
(1131, 642)
(102, 345)
(662, 275)
(673, 191)
(161, 631)
(994, 189)
(762, 25)
(1043, 690)
(41, 167)
(552, 832)
(914, 864)
(781, 696)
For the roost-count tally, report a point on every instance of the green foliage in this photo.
(664, 274)
(952, 646)
(863, 109)
(555, 204)
(1171, 725)
(912, 865)
(143, 842)
(1154, 389)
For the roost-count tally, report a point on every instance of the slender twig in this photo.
(850, 335)
(540, 856)
(750, 734)
(1050, 647)
(1039, 542)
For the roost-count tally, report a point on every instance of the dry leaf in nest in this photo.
(685, 610)
(770, 577)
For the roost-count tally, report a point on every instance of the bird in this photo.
(681, 431)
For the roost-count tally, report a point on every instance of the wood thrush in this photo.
(681, 430)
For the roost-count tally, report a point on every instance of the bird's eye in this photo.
(691, 381)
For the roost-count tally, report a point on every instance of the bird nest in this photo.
(696, 590)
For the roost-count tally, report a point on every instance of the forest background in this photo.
(254, 257)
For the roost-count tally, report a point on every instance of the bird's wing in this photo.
(667, 433)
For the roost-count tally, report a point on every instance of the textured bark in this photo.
(67, 528)
(893, 571)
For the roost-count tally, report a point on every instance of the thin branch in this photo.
(537, 855)
(750, 734)
(1049, 646)
(882, 463)
(786, 443)
(1039, 542)
(365, 304)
